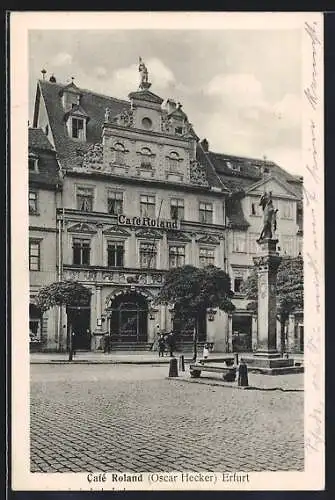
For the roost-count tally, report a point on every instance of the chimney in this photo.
(205, 145)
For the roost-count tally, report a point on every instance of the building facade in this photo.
(138, 194)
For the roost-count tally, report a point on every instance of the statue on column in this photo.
(269, 216)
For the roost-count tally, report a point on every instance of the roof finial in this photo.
(144, 83)
(72, 79)
(43, 71)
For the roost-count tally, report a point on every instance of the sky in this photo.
(241, 89)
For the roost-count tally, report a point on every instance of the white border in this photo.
(312, 56)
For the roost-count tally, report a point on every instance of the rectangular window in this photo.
(115, 202)
(34, 255)
(239, 242)
(33, 207)
(238, 284)
(206, 213)
(287, 209)
(255, 208)
(177, 208)
(148, 255)
(81, 252)
(287, 245)
(176, 256)
(85, 199)
(32, 164)
(147, 206)
(115, 253)
(206, 257)
(78, 128)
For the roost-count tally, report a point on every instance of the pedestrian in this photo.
(161, 345)
(107, 344)
(155, 345)
(171, 343)
(205, 353)
(73, 343)
(243, 374)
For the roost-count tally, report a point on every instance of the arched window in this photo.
(146, 158)
(119, 153)
(173, 160)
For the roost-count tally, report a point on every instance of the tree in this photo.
(70, 294)
(192, 291)
(290, 291)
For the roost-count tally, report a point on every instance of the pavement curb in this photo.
(89, 362)
(231, 386)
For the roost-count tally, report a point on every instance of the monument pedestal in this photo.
(267, 359)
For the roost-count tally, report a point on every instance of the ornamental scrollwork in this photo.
(93, 158)
(198, 174)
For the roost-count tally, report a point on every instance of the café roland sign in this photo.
(123, 220)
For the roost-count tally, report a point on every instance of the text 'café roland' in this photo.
(123, 220)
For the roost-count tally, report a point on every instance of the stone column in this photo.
(230, 333)
(291, 339)
(254, 333)
(267, 266)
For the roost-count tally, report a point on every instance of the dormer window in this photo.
(78, 128)
(179, 130)
(233, 166)
(33, 164)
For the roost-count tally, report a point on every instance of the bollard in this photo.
(243, 374)
(173, 369)
(181, 363)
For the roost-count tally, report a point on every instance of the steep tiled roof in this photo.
(93, 104)
(212, 177)
(48, 172)
(239, 173)
(234, 214)
(38, 140)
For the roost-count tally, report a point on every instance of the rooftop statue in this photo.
(143, 71)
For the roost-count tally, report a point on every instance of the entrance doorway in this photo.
(241, 326)
(80, 319)
(128, 318)
(35, 322)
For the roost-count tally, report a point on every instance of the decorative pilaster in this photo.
(267, 267)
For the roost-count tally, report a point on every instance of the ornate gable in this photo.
(93, 158)
(82, 227)
(273, 184)
(177, 236)
(149, 234)
(146, 95)
(116, 231)
(209, 238)
(198, 174)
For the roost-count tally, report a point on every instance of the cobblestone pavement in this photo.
(131, 418)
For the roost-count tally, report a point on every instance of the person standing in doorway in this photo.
(161, 346)
(171, 342)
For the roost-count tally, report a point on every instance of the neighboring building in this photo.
(141, 195)
(247, 179)
(43, 199)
